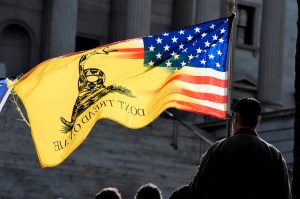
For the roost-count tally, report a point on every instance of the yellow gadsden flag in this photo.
(131, 82)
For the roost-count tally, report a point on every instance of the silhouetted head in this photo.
(148, 191)
(108, 193)
(246, 113)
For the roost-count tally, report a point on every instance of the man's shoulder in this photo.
(240, 139)
(218, 144)
(269, 145)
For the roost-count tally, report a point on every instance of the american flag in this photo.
(199, 52)
(4, 92)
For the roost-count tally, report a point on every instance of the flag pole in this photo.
(230, 11)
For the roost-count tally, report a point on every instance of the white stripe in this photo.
(4, 98)
(214, 105)
(201, 88)
(203, 72)
(207, 103)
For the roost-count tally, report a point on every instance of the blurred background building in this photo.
(167, 151)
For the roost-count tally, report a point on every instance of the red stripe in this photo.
(131, 55)
(199, 80)
(187, 106)
(129, 49)
(201, 96)
(195, 80)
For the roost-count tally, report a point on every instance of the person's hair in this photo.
(108, 193)
(148, 191)
(248, 120)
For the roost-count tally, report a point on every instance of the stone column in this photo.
(60, 26)
(271, 53)
(207, 10)
(129, 19)
(183, 13)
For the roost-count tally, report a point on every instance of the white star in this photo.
(166, 47)
(213, 45)
(219, 52)
(207, 43)
(203, 61)
(191, 57)
(212, 26)
(181, 32)
(215, 37)
(166, 34)
(218, 65)
(168, 63)
(203, 34)
(173, 54)
(158, 56)
(223, 30)
(151, 48)
(185, 50)
(189, 38)
(197, 29)
(211, 56)
(181, 46)
(151, 63)
(183, 63)
(221, 40)
(199, 50)
(176, 56)
(174, 39)
(158, 40)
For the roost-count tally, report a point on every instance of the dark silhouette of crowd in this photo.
(108, 193)
(146, 191)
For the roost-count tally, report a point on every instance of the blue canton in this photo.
(204, 45)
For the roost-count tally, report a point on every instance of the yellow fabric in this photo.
(50, 90)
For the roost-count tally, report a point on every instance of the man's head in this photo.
(108, 193)
(148, 191)
(246, 113)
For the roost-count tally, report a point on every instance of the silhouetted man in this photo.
(242, 166)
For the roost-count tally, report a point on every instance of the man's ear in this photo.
(236, 118)
(258, 119)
